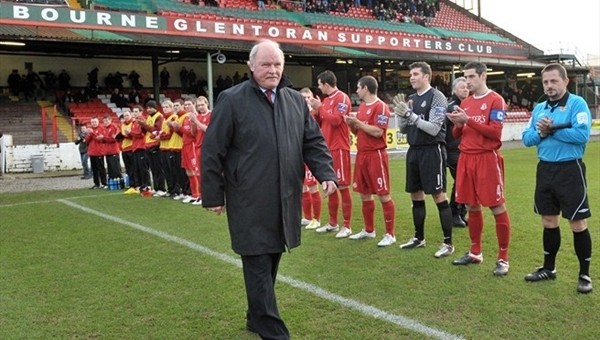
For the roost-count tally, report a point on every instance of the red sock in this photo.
(389, 216)
(333, 203)
(368, 211)
(306, 205)
(346, 206)
(475, 229)
(503, 234)
(316, 205)
(194, 186)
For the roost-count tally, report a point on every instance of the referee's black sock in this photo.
(418, 211)
(446, 220)
(551, 241)
(583, 248)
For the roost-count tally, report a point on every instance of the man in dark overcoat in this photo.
(253, 156)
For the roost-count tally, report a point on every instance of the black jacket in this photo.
(253, 158)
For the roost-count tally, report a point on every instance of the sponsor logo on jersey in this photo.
(342, 108)
(479, 119)
(439, 111)
(582, 118)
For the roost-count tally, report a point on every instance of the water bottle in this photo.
(111, 184)
(126, 181)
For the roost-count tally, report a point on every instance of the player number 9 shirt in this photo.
(377, 114)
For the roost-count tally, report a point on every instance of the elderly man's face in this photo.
(267, 66)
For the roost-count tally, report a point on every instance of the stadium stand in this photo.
(449, 23)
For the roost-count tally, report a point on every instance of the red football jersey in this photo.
(203, 119)
(331, 118)
(377, 114)
(483, 130)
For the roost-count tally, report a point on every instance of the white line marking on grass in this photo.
(10, 205)
(365, 309)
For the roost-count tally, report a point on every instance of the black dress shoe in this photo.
(458, 222)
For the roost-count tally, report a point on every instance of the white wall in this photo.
(65, 156)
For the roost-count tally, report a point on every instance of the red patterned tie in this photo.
(269, 94)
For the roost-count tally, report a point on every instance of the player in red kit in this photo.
(371, 170)
(330, 116)
(203, 116)
(480, 173)
(188, 129)
(311, 197)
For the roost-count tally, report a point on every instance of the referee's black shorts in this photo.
(561, 187)
(426, 169)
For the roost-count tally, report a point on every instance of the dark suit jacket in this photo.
(253, 159)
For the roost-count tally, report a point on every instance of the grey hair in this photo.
(256, 47)
(457, 81)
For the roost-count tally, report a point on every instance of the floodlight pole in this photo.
(209, 74)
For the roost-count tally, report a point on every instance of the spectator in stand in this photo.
(330, 115)
(112, 148)
(83, 152)
(192, 79)
(357, 3)
(372, 171)
(228, 82)
(66, 99)
(118, 79)
(460, 92)
(220, 83)
(127, 150)
(81, 96)
(64, 80)
(164, 78)
(118, 98)
(93, 138)
(244, 77)
(152, 128)
(92, 77)
(236, 78)
(109, 82)
(13, 82)
(561, 187)
(422, 119)
(134, 79)
(260, 4)
(50, 81)
(184, 78)
(480, 173)
(35, 83)
(311, 197)
(25, 87)
(134, 96)
(381, 12)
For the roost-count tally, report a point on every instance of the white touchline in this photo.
(367, 310)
